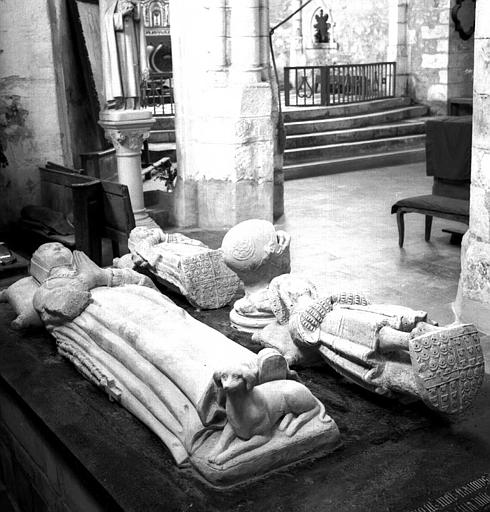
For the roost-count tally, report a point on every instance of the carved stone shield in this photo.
(448, 366)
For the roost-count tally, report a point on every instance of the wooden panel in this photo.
(87, 199)
(56, 188)
(100, 164)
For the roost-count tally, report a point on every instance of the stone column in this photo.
(246, 40)
(397, 43)
(126, 130)
(224, 124)
(217, 29)
(296, 51)
(473, 299)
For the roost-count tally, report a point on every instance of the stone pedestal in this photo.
(473, 299)
(126, 130)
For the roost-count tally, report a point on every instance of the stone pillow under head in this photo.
(19, 295)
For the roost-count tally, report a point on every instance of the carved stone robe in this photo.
(124, 57)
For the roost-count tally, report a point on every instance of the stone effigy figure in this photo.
(218, 407)
(124, 57)
(257, 253)
(386, 349)
(184, 264)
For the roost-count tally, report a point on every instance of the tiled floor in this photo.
(344, 236)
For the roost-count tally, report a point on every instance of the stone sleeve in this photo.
(122, 276)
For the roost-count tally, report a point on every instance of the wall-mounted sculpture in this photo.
(226, 412)
(257, 253)
(184, 264)
(322, 27)
(387, 349)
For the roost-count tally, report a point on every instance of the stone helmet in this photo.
(249, 244)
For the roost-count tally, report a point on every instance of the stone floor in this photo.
(343, 235)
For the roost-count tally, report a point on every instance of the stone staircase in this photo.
(162, 138)
(328, 140)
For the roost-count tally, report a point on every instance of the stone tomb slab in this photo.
(395, 457)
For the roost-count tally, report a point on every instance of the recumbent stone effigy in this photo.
(183, 264)
(390, 350)
(219, 408)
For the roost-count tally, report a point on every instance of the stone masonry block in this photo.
(256, 100)
(216, 161)
(437, 92)
(443, 76)
(435, 61)
(480, 168)
(227, 130)
(254, 161)
(481, 121)
(444, 17)
(438, 31)
(442, 45)
(482, 66)
(480, 213)
(475, 273)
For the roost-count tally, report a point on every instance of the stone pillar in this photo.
(473, 299)
(296, 51)
(217, 29)
(126, 130)
(224, 124)
(397, 43)
(245, 40)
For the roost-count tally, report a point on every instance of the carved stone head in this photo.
(256, 252)
(47, 257)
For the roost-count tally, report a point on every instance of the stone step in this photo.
(304, 113)
(355, 121)
(383, 131)
(162, 136)
(161, 149)
(356, 163)
(164, 123)
(348, 149)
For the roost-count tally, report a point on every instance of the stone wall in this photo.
(440, 63)
(360, 29)
(41, 102)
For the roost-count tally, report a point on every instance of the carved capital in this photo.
(131, 140)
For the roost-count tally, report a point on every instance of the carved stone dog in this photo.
(253, 411)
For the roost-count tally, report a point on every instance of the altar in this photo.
(63, 446)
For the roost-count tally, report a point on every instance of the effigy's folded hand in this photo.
(89, 272)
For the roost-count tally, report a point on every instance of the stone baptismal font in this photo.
(218, 407)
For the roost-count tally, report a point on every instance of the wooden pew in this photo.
(101, 209)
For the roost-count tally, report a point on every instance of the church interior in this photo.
(245, 255)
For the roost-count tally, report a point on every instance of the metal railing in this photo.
(157, 94)
(311, 86)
